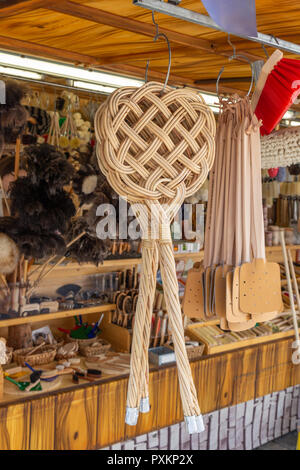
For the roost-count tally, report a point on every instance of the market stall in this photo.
(185, 335)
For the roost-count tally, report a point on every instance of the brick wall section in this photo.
(241, 427)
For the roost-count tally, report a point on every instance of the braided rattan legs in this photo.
(139, 347)
(188, 394)
(138, 380)
(138, 393)
(144, 403)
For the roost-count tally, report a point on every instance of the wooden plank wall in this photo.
(93, 417)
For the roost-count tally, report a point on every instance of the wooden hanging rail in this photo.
(203, 20)
(120, 23)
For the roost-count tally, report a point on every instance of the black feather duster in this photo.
(90, 216)
(10, 226)
(13, 116)
(36, 209)
(26, 199)
(37, 244)
(48, 165)
(87, 249)
(40, 245)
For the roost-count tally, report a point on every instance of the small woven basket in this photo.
(84, 342)
(67, 355)
(98, 346)
(45, 355)
(194, 352)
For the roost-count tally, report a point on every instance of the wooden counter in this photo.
(92, 416)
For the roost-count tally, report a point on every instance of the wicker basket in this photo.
(101, 346)
(67, 355)
(84, 342)
(44, 355)
(194, 352)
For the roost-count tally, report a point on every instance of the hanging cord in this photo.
(265, 50)
(156, 37)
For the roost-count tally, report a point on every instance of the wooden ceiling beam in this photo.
(30, 48)
(16, 7)
(212, 81)
(175, 80)
(139, 27)
(52, 53)
(25, 47)
(95, 15)
(159, 54)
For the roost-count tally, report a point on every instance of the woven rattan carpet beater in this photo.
(156, 146)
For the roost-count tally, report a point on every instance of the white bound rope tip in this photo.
(131, 417)
(191, 424)
(145, 405)
(200, 424)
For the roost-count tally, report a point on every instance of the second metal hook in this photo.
(235, 56)
(157, 36)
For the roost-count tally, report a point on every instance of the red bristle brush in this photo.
(277, 88)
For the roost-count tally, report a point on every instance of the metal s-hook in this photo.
(233, 47)
(236, 56)
(165, 37)
(265, 50)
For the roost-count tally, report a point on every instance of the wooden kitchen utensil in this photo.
(193, 300)
(260, 287)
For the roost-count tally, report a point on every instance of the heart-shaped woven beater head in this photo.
(156, 148)
(149, 143)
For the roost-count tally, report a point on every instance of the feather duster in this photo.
(48, 165)
(37, 244)
(13, 116)
(87, 249)
(42, 121)
(25, 198)
(9, 225)
(9, 254)
(59, 210)
(294, 169)
(89, 184)
(91, 218)
(85, 181)
(40, 245)
(35, 208)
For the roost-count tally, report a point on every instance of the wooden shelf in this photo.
(53, 316)
(238, 344)
(194, 256)
(123, 262)
(115, 264)
(278, 248)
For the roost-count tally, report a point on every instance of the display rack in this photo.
(73, 269)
